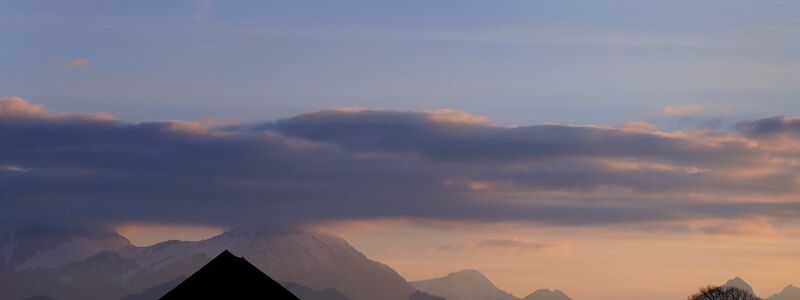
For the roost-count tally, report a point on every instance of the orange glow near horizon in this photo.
(149, 234)
(587, 263)
(666, 261)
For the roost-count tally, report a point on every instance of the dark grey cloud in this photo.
(345, 165)
(416, 133)
(770, 127)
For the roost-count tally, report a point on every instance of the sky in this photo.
(606, 148)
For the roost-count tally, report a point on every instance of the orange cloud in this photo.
(456, 116)
(13, 106)
(17, 107)
(758, 228)
(682, 111)
(639, 126)
(503, 244)
(79, 62)
(100, 116)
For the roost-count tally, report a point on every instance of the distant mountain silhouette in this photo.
(740, 284)
(472, 285)
(790, 292)
(423, 296)
(463, 285)
(545, 294)
(229, 277)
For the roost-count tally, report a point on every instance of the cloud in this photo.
(456, 116)
(758, 227)
(639, 126)
(771, 127)
(79, 62)
(512, 244)
(16, 107)
(682, 111)
(415, 133)
(13, 168)
(352, 165)
(12, 107)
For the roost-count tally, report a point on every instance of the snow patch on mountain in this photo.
(77, 248)
(62, 263)
(317, 261)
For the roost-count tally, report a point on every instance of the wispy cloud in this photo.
(682, 111)
(505, 244)
(79, 62)
(511, 243)
(13, 168)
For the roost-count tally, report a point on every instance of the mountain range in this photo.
(81, 264)
(59, 264)
(790, 292)
(472, 285)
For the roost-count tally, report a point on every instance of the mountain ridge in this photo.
(470, 284)
(790, 292)
(739, 283)
(316, 261)
(547, 294)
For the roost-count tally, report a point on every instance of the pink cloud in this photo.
(79, 62)
(505, 244)
(682, 111)
(456, 116)
(17, 107)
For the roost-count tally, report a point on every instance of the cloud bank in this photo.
(355, 164)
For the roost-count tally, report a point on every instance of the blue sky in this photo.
(517, 62)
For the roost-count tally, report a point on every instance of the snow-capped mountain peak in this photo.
(63, 261)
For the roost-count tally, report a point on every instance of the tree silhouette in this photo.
(723, 293)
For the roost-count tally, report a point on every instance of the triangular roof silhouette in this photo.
(229, 277)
